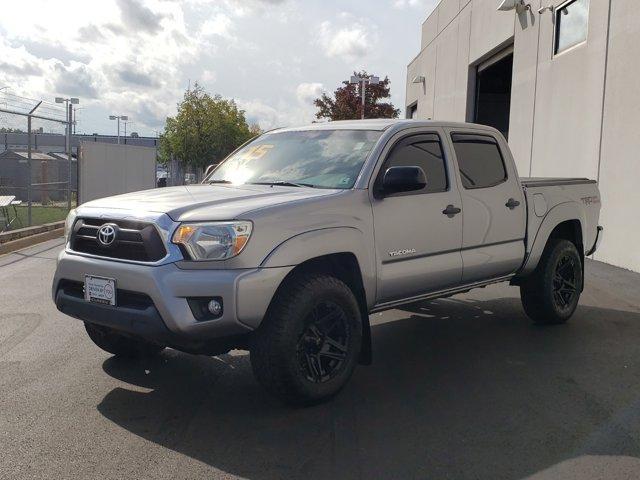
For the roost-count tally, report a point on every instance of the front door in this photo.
(417, 241)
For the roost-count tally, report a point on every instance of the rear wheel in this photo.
(551, 294)
(307, 346)
(119, 345)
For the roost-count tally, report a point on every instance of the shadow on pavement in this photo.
(458, 389)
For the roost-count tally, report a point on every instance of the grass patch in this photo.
(39, 215)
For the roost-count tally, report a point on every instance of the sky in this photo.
(137, 57)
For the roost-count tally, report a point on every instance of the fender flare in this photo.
(326, 241)
(554, 217)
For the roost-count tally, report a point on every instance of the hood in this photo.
(207, 202)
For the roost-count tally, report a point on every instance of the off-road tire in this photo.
(119, 345)
(545, 294)
(277, 357)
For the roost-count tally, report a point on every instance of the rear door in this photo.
(493, 205)
(417, 245)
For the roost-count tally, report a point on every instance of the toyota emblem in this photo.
(107, 234)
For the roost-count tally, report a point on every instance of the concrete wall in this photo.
(572, 114)
(570, 86)
(619, 162)
(108, 169)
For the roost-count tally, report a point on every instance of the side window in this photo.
(479, 160)
(423, 151)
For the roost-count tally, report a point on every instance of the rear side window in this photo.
(479, 160)
(423, 151)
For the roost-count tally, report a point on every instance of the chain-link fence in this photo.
(38, 167)
(176, 173)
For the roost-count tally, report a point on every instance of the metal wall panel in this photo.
(111, 169)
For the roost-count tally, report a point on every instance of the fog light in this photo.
(206, 308)
(214, 307)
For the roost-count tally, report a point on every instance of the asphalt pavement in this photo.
(462, 388)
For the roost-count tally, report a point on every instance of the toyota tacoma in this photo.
(290, 243)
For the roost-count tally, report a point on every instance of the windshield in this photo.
(317, 158)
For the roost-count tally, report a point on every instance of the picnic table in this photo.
(8, 205)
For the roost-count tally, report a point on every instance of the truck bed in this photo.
(552, 182)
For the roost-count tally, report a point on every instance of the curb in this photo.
(19, 233)
(12, 246)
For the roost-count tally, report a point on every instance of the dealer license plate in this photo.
(100, 290)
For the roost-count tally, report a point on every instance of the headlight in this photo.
(213, 241)
(68, 223)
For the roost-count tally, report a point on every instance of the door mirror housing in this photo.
(403, 179)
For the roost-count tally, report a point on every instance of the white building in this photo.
(560, 78)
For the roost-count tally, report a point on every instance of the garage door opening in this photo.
(493, 92)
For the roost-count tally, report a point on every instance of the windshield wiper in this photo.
(284, 183)
(218, 181)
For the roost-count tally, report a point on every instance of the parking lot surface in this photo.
(462, 388)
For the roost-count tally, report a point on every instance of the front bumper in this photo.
(246, 294)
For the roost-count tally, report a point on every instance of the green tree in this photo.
(347, 102)
(205, 129)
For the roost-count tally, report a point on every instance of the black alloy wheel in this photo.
(309, 343)
(324, 345)
(551, 293)
(565, 280)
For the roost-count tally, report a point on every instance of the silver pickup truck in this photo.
(290, 243)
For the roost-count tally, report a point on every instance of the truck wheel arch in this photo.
(562, 221)
(328, 242)
(339, 251)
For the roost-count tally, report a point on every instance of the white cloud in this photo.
(129, 58)
(349, 42)
(306, 93)
(283, 112)
(136, 57)
(220, 25)
(401, 4)
(246, 7)
(266, 116)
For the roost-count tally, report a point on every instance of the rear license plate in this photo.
(100, 290)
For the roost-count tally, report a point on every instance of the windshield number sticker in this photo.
(259, 151)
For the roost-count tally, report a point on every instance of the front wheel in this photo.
(308, 345)
(551, 294)
(119, 345)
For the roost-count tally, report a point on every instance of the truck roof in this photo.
(378, 124)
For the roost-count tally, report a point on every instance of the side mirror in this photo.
(403, 179)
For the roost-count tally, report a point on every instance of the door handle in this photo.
(451, 211)
(512, 203)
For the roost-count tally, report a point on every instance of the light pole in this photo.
(75, 118)
(363, 81)
(118, 118)
(125, 130)
(69, 103)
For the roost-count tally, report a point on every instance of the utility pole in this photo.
(124, 118)
(363, 81)
(69, 103)
(69, 118)
(125, 130)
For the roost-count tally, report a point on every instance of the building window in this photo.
(572, 24)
